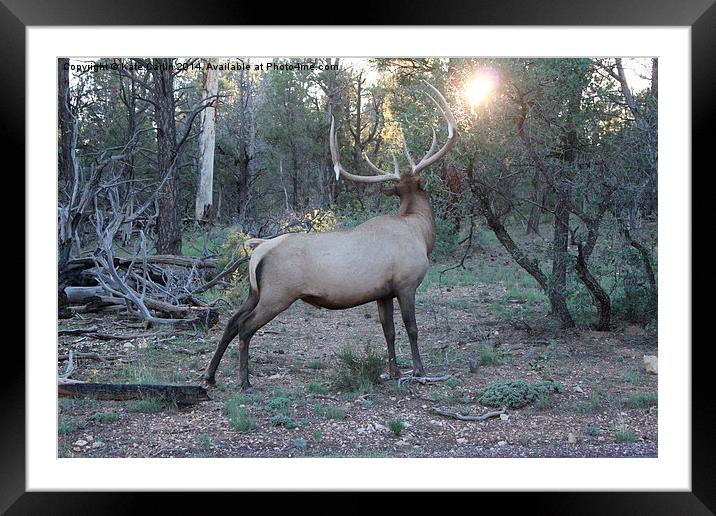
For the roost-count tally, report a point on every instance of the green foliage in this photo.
(517, 393)
(104, 417)
(283, 420)
(642, 400)
(316, 364)
(147, 406)
(452, 382)
(66, 426)
(630, 376)
(335, 412)
(239, 419)
(624, 435)
(280, 404)
(358, 372)
(488, 356)
(592, 430)
(396, 426)
(590, 407)
(299, 443)
(317, 388)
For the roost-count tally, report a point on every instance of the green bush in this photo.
(104, 417)
(518, 393)
(283, 420)
(238, 418)
(147, 406)
(358, 372)
(642, 400)
(396, 426)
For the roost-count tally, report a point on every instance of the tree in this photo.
(205, 190)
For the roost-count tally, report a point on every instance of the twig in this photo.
(69, 369)
(78, 331)
(422, 379)
(455, 415)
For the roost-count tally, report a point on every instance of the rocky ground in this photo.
(606, 405)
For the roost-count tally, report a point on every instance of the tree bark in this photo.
(168, 221)
(205, 190)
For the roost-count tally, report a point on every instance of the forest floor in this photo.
(606, 406)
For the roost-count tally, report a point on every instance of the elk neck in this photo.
(416, 208)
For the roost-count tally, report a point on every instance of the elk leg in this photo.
(231, 330)
(264, 312)
(385, 313)
(407, 310)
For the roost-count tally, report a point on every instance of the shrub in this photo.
(517, 393)
(283, 420)
(488, 356)
(147, 406)
(358, 372)
(66, 426)
(592, 430)
(317, 388)
(104, 417)
(396, 426)
(642, 400)
(335, 413)
(623, 434)
(238, 418)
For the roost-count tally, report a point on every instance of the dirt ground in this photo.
(606, 406)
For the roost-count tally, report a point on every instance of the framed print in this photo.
(212, 172)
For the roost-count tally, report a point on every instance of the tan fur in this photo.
(261, 247)
(342, 269)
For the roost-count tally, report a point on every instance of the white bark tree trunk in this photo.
(204, 194)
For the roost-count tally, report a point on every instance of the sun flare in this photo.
(479, 88)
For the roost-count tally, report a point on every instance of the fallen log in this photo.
(161, 259)
(179, 394)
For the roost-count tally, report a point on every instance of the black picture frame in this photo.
(700, 15)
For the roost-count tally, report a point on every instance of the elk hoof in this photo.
(208, 379)
(248, 389)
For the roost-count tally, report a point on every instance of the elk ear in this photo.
(390, 191)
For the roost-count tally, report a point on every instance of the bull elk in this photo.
(384, 258)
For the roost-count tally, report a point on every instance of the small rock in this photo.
(571, 439)
(461, 440)
(501, 443)
(97, 444)
(80, 442)
(651, 364)
(600, 438)
(380, 427)
(402, 442)
(504, 417)
(128, 347)
(578, 388)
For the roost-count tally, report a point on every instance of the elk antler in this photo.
(384, 176)
(430, 157)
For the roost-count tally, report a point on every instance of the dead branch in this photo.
(455, 415)
(422, 379)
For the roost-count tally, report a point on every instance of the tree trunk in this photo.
(205, 190)
(560, 243)
(64, 119)
(599, 295)
(168, 221)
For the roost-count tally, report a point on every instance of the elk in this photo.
(382, 259)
